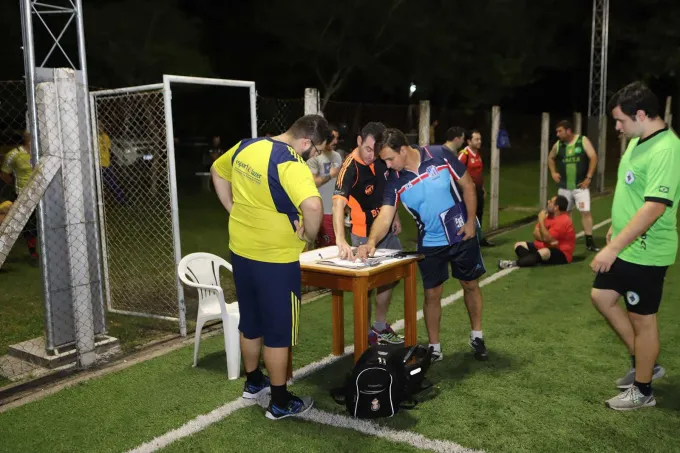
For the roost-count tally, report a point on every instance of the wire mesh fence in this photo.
(275, 116)
(64, 240)
(133, 165)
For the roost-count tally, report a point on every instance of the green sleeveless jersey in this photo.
(571, 162)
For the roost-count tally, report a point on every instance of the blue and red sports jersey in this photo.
(432, 196)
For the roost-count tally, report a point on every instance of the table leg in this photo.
(360, 290)
(410, 306)
(338, 323)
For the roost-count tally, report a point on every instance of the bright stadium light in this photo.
(412, 89)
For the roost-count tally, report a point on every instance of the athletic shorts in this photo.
(268, 300)
(641, 286)
(326, 236)
(578, 197)
(464, 258)
(389, 242)
(556, 255)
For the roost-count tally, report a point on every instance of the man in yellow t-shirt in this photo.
(274, 208)
(17, 166)
(4, 209)
(108, 175)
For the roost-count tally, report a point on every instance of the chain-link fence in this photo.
(64, 241)
(275, 116)
(131, 150)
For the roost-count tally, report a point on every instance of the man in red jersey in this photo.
(471, 157)
(555, 238)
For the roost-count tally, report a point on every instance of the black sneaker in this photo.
(295, 406)
(479, 349)
(486, 243)
(253, 391)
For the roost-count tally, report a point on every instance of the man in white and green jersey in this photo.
(642, 241)
(572, 162)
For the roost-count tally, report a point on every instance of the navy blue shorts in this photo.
(268, 300)
(464, 258)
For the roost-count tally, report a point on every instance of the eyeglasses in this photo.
(315, 148)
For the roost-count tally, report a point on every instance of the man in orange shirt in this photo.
(555, 238)
(360, 185)
(471, 157)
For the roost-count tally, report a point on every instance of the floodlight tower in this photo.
(597, 91)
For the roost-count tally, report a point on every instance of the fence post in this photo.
(495, 166)
(668, 116)
(545, 138)
(424, 124)
(312, 102)
(578, 123)
(601, 152)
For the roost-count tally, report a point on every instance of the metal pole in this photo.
(94, 171)
(253, 111)
(106, 287)
(170, 134)
(29, 68)
(545, 143)
(495, 166)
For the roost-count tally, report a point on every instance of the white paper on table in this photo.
(329, 256)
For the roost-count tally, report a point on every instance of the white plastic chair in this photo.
(202, 271)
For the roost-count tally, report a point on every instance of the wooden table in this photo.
(359, 282)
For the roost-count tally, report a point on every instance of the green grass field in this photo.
(553, 362)
(203, 226)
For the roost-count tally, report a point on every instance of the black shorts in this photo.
(268, 300)
(465, 259)
(641, 286)
(556, 255)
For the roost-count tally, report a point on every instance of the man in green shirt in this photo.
(642, 241)
(572, 163)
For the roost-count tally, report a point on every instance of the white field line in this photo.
(373, 429)
(203, 421)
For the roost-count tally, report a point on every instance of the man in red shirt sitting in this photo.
(555, 238)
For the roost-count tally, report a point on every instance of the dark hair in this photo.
(312, 127)
(394, 139)
(468, 134)
(374, 129)
(565, 124)
(562, 203)
(454, 132)
(633, 97)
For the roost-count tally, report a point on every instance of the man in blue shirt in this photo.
(440, 195)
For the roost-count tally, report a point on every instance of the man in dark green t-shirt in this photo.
(642, 241)
(572, 163)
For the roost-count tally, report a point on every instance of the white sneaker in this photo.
(631, 399)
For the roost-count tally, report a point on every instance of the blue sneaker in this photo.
(252, 391)
(296, 406)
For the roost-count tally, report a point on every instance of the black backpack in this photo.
(384, 380)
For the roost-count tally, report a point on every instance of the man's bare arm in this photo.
(551, 163)
(312, 215)
(381, 225)
(339, 204)
(223, 190)
(592, 155)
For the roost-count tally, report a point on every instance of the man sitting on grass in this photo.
(555, 238)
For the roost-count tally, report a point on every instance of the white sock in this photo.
(476, 334)
(437, 347)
